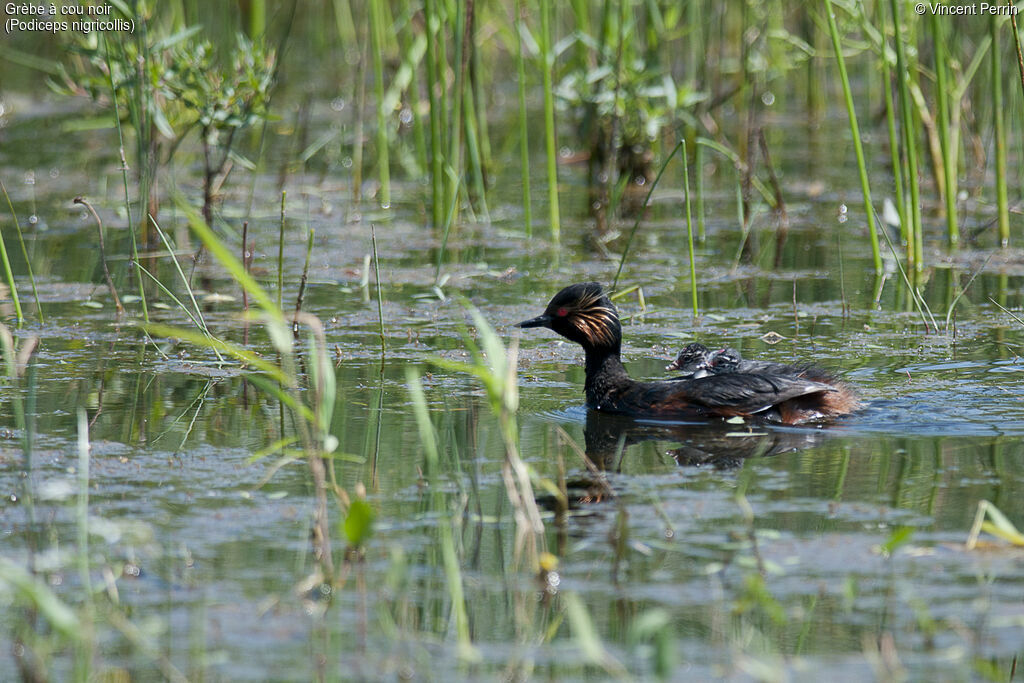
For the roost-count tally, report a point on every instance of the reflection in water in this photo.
(719, 444)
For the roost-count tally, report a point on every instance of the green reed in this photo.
(414, 48)
(914, 233)
(474, 148)
(689, 227)
(124, 175)
(435, 91)
(358, 126)
(380, 295)
(376, 19)
(478, 79)
(858, 149)
(495, 367)
(547, 61)
(24, 254)
(280, 253)
(640, 214)
(898, 168)
(449, 555)
(8, 273)
(947, 147)
(999, 133)
(82, 524)
(475, 112)
(311, 402)
(698, 165)
(256, 26)
(195, 314)
(524, 125)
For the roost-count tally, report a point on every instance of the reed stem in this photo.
(999, 134)
(894, 148)
(103, 255)
(942, 100)
(689, 228)
(640, 213)
(280, 255)
(434, 88)
(124, 177)
(380, 296)
(858, 149)
(24, 254)
(524, 126)
(9, 274)
(550, 145)
(915, 249)
(377, 47)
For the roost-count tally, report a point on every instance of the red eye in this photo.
(561, 312)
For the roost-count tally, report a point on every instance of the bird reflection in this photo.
(717, 444)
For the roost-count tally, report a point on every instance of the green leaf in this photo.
(1014, 536)
(205, 341)
(897, 538)
(174, 38)
(1000, 521)
(358, 524)
(35, 591)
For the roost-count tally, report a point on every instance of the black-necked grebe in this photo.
(584, 314)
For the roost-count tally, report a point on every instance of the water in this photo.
(744, 551)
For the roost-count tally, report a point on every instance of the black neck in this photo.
(604, 373)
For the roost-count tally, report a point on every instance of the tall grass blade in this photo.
(380, 295)
(643, 208)
(550, 145)
(915, 248)
(280, 255)
(124, 174)
(35, 592)
(689, 228)
(876, 255)
(376, 12)
(24, 254)
(898, 168)
(9, 275)
(524, 126)
(999, 134)
(435, 86)
(944, 133)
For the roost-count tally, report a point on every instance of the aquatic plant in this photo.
(376, 15)
(163, 86)
(495, 367)
(547, 65)
(524, 126)
(991, 519)
(636, 223)
(621, 100)
(869, 211)
(308, 396)
(8, 274)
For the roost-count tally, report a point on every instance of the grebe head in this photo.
(725, 361)
(693, 358)
(582, 313)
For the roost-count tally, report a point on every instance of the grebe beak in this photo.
(539, 321)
